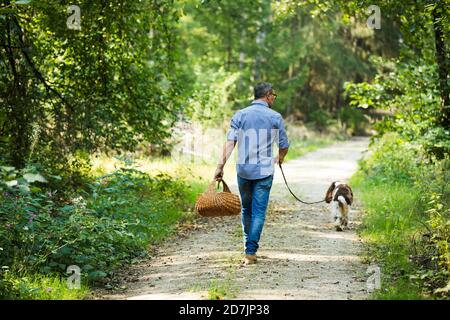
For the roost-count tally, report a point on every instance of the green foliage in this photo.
(306, 58)
(424, 35)
(406, 223)
(220, 290)
(109, 86)
(136, 67)
(404, 183)
(210, 102)
(38, 287)
(321, 119)
(393, 159)
(409, 91)
(100, 229)
(354, 121)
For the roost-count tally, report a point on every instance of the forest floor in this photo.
(301, 256)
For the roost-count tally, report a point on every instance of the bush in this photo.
(406, 225)
(110, 224)
(354, 121)
(393, 159)
(321, 119)
(409, 91)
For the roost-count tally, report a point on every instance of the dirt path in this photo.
(300, 256)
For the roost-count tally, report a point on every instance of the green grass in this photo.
(392, 217)
(41, 287)
(222, 289)
(398, 289)
(219, 290)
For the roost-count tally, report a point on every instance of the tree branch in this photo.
(33, 67)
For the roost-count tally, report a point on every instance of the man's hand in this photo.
(278, 161)
(218, 175)
(281, 154)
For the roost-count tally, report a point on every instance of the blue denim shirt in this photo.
(255, 129)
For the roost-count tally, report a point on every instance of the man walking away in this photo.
(255, 129)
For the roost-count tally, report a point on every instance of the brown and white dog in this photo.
(341, 196)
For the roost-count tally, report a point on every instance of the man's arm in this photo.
(281, 154)
(228, 146)
(227, 150)
(283, 142)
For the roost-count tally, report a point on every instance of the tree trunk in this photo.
(16, 100)
(294, 30)
(443, 65)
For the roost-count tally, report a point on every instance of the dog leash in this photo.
(297, 198)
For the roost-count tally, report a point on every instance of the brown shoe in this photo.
(249, 259)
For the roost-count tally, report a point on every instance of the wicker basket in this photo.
(218, 204)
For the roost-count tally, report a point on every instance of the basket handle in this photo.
(225, 186)
(212, 186)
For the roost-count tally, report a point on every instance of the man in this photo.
(255, 129)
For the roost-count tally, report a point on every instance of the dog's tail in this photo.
(342, 200)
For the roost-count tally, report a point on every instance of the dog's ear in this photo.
(350, 194)
(329, 194)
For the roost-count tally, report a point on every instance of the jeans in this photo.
(254, 199)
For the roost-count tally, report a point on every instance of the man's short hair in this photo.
(262, 89)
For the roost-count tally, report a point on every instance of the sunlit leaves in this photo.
(113, 98)
(33, 177)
